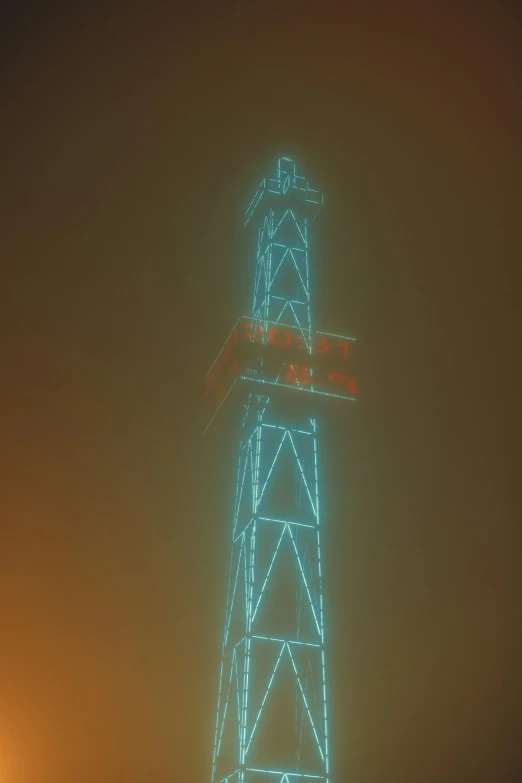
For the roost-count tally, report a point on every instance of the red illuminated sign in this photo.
(275, 358)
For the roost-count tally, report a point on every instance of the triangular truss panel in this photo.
(307, 662)
(244, 506)
(274, 732)
(288, 279)
(288, 490)
(236, 622)
(269, 537)
(229, 715)
(284, 608)
(264, 657)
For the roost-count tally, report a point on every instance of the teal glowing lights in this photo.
(272, 721)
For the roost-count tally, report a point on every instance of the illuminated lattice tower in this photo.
(271, 724)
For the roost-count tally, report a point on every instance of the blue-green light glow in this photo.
(276, 516)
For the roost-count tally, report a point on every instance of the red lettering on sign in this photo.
(277, 340)
(321, 345)
(344, 347)
(219, 395)
(336, 377)
(211, 377)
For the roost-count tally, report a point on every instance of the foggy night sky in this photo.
(132, 138)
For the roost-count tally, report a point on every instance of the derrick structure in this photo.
(271, 723)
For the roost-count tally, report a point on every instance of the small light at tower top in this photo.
(288, 187)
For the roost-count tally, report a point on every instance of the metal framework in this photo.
(271, 722)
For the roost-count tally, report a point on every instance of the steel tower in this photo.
(272, 719)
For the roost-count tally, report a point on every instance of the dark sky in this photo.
(132, 136)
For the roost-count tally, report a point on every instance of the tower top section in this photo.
(285, 190)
